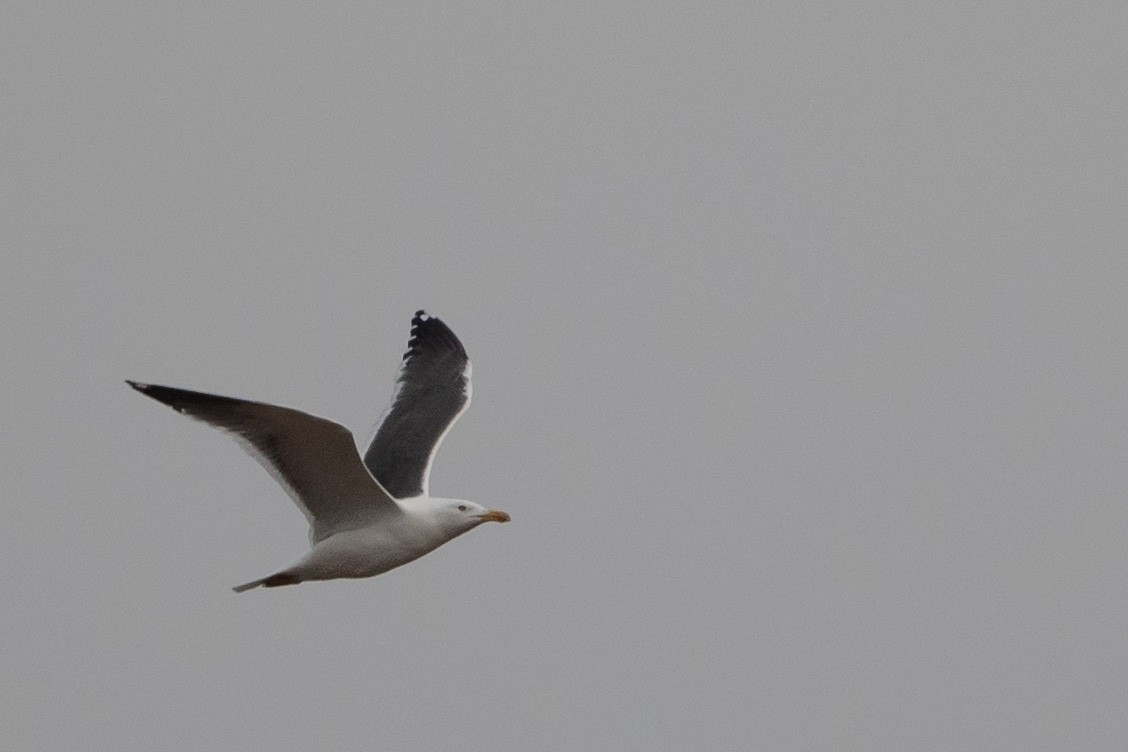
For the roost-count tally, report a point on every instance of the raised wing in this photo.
(314, 459)
(432, 390)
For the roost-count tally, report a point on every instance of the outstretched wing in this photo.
(432, 390)
(314, 459)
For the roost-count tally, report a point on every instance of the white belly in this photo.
(366, 552)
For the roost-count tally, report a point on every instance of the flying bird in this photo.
(365, 517)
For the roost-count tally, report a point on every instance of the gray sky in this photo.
(799, 346)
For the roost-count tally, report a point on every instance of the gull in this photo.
(365, 517)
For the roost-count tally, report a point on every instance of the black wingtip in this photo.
(428, 329)
(183, 400)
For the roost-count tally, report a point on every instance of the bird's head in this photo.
(458, 515)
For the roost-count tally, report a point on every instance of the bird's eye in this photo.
(462, 507)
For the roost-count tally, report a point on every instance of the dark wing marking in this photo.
(432, 390)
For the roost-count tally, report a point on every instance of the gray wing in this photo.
(314, 459)
(432, 390)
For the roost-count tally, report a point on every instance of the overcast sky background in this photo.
(799, 347)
